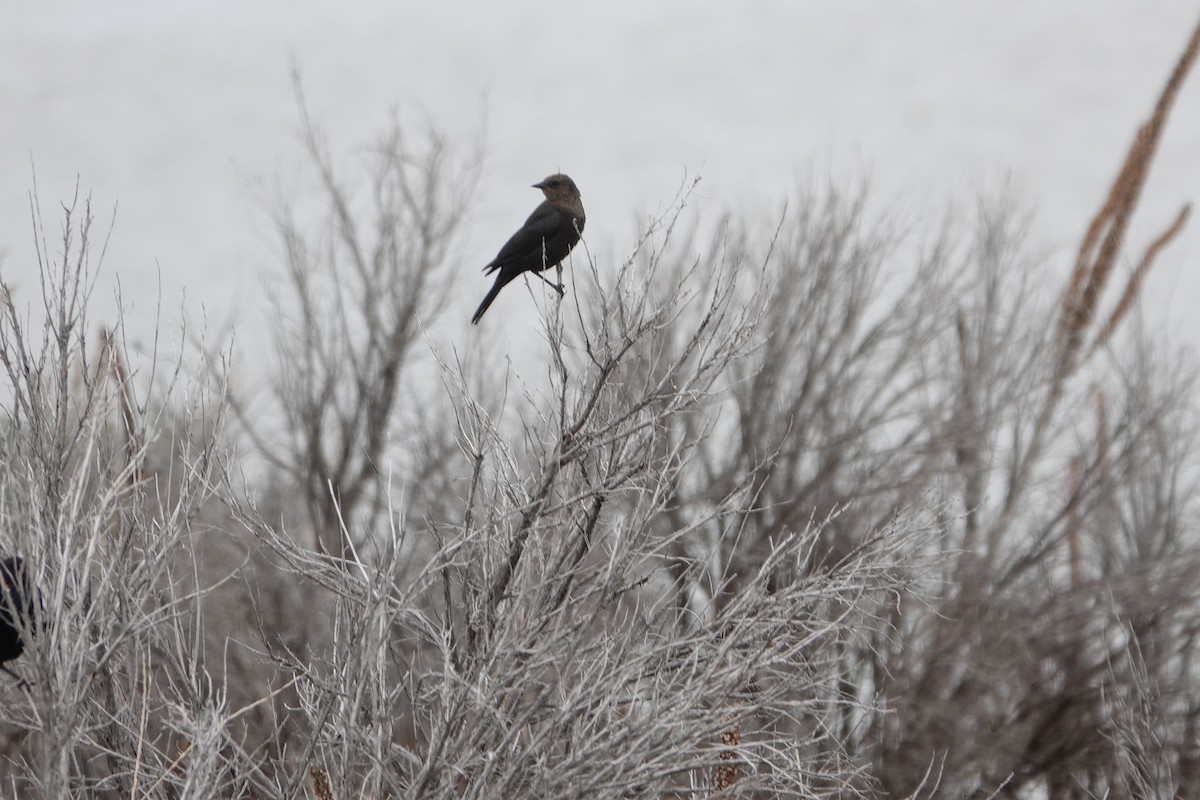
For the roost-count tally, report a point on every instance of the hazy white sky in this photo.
(178, 111)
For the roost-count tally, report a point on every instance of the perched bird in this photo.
(20, 602)
(543, 241)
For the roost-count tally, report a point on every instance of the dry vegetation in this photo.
(806, 509)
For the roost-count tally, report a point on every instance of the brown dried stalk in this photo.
(1073, 523)
(118, 372)
(321, 787)
(1134, 286)
(727, 773)
(1092, 267)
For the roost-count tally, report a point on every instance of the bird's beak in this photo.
(540, 185)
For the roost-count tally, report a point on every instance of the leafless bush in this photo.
(119, 697)
(358, 292)
(534, 646)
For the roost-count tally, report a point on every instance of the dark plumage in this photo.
(543, 241)
(20, 603)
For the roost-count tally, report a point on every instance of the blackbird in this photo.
(542, 242)
(19, 605)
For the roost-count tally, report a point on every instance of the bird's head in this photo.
(558, 188)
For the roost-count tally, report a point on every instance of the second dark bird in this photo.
(19, 601)
(543, 241)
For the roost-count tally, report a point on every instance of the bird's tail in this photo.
(487, 301)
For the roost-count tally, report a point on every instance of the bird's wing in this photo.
(545, 221)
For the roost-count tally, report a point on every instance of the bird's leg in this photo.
(562, 290)
(558, 287)
(22, 684)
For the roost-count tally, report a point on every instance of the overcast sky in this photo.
(178, 112)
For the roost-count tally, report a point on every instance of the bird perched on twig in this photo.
(20, 604)
(542, 242)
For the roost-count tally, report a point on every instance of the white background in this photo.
(183, 112)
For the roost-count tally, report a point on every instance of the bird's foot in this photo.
(558, 287)
(22, 684)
